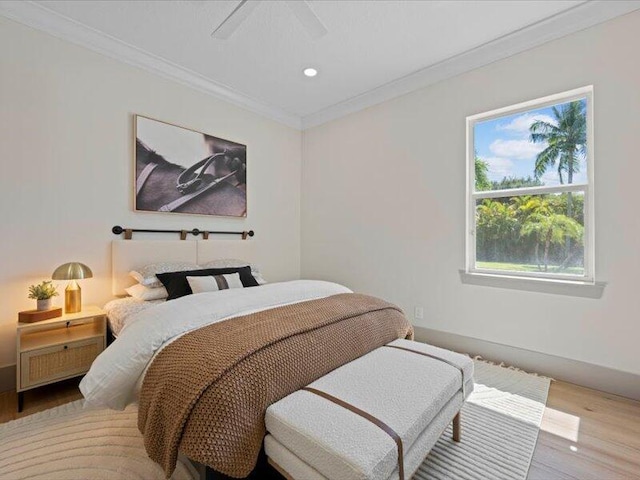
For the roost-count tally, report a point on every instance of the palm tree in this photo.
(528, 210)
(548, 229)
(566, 143)
(566, 140)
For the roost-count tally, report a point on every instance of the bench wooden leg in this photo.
(279, 470)
(456, 428)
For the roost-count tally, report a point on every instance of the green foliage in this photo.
(552, 228)
(482, 175)
(43, 291)
(548, 228)
(530, 229)
(515, 182)
(496, 218)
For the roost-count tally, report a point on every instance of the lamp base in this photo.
(73, 298)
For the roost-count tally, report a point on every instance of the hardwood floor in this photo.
(585, 434)
(38, 399)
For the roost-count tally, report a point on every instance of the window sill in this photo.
(557, 287)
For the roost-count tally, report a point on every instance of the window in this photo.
(530, 189)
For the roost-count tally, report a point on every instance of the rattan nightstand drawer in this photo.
(44, 365)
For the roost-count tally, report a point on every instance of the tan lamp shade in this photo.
(72, 294)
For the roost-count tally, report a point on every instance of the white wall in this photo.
(66, 142)
(383, 202)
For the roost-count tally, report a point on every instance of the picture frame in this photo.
(183, 171)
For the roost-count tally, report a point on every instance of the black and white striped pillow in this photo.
(213, 283)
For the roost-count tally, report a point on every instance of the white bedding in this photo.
(121, 309)
(112, 379)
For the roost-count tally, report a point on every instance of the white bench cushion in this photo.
(298, 469)
(403, 389)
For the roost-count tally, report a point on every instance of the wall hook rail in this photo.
(128, 232)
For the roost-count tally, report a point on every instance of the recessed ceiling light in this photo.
(310, 72)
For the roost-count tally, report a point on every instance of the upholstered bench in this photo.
(374, 418)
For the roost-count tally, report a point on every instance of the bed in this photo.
(130, 255)
(244, 349)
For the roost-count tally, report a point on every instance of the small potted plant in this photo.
(43, 293)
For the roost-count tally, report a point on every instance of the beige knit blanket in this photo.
(206, 393)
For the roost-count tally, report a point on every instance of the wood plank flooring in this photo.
(585, 434)
(38, 399)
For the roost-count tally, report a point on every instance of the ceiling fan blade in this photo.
(234, 19)
(307, 18)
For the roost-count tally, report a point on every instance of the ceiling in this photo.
(369, 45)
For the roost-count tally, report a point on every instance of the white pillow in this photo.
(147, 293)
(147, 275)
(234, 262)
(213, 283)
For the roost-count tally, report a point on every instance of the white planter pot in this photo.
(44, 304)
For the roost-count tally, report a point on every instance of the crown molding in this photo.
(578, 18)
(575, 19)
(39, 17)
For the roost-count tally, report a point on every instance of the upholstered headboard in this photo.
(208, 250)
(127, 255)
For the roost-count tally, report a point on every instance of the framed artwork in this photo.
(178, 170)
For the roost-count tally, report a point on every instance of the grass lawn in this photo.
(519, 267)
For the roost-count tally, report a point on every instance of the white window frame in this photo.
(587, 189)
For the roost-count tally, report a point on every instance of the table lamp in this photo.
(72, 295)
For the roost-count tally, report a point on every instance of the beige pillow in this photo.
(147, 294)
(147, 275)
(234, 262)
(213, 283)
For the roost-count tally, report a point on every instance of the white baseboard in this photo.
(580, 373)
(7, 378)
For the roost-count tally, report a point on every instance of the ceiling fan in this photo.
(301, 9)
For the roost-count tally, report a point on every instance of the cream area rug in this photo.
(500, 424)
(71, 442)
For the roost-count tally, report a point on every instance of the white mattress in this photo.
(416, 396)
(121, 309)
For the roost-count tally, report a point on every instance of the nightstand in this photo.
(57, 349)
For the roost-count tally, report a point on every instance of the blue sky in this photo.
(504, 144)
